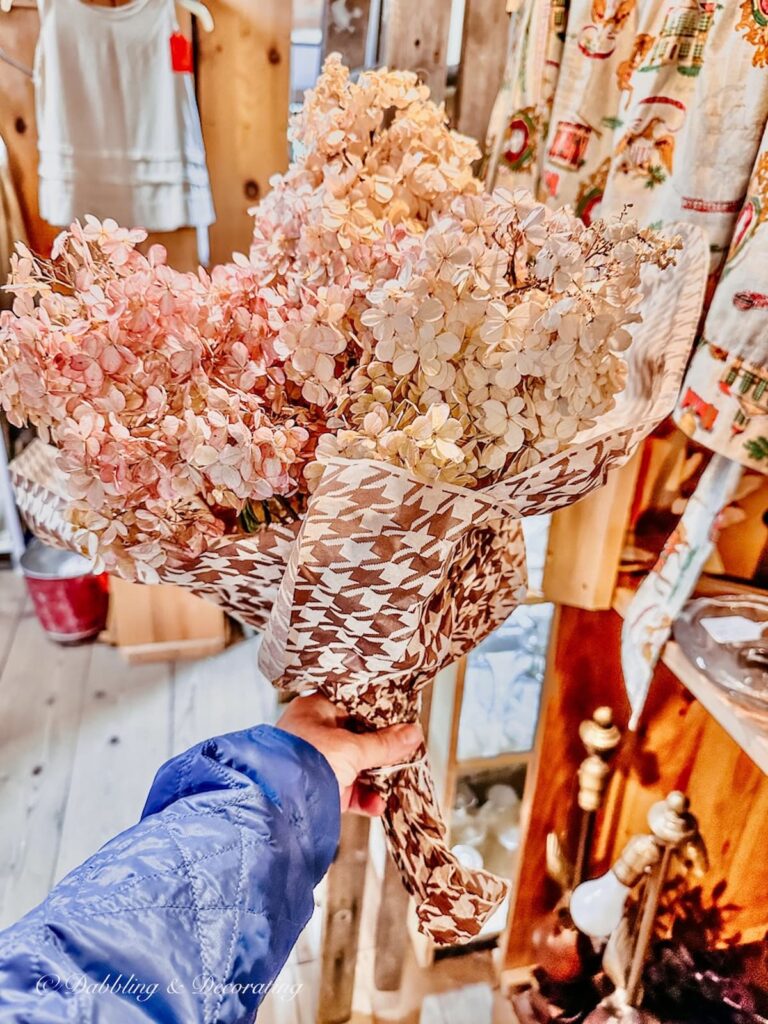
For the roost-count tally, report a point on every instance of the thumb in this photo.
(387, 746)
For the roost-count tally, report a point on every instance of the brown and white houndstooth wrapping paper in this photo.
(387, 579)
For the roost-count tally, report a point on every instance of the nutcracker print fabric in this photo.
(724, 401)
(660, 107)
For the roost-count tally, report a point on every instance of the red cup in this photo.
(70, 601)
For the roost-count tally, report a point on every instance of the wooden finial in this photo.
(599, 734)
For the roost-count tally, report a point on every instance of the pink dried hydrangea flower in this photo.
(388, 309)
(164, 393)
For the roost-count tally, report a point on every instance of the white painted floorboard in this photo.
(82, 734)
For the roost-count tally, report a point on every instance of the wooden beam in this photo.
(344, 895)
(585, 542)
(19, 32)
(415, 38)
(483, 55)
(390, 944)
(243, 92)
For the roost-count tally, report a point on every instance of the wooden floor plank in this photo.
(41, 696)
(124, 737)
(13, 598)
(282, 1005)
(81, 737)
(219, 695)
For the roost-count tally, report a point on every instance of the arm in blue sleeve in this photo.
(188, 916)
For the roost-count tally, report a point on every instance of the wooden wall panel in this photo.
(678, 746)
(415, 38)
(243, 91)
(18, 38)
(585, 542)
(483, 55)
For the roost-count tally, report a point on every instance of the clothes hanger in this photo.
(6, 58)
(195, 7)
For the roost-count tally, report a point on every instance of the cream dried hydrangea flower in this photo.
(376, 163)
(528, 314)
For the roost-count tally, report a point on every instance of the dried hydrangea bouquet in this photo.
(337, 435)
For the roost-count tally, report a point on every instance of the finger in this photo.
(315, 706)
(364, 800)
(387, 746)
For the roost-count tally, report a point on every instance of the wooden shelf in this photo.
(497, 762)
(749, 732)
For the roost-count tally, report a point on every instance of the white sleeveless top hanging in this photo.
(119, 131)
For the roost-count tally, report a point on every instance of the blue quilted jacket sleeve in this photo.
(188, 916)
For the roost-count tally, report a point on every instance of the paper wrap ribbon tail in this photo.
(452, 901)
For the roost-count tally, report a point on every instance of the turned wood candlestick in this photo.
(600, 737)
(645, 859)
(561, 950)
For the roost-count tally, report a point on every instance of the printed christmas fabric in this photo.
(660, 597)
(387, 579)
(660, 106)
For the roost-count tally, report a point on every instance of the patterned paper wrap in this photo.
(387, 579)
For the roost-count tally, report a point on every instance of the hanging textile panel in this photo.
(724, 400)
(660, 107)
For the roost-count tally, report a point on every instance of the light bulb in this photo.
(597, 906)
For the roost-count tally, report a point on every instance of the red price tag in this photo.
(181, 53)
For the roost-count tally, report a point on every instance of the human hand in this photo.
(319, 722)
